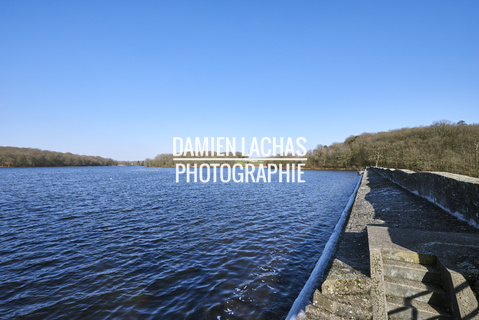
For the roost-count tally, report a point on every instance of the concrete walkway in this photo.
(345, 292)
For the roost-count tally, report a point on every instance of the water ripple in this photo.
(127, 242)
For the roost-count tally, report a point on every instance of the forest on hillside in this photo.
(442, 146)
(30, 157)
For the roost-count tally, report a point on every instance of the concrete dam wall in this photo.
(457, 194)
(402, 256)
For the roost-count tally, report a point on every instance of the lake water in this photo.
(131, 243)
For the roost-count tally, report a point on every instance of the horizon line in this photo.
(243, 159)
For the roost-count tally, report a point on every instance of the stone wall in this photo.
(457, 194)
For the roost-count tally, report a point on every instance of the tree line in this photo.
(30, 157)
(166, 159)
(442, 146)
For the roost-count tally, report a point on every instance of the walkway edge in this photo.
(317, 274)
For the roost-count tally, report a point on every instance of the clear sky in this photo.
(120, 79)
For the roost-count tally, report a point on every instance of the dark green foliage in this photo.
(29, 157)
(443, 146)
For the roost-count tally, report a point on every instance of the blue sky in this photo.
(120, 79)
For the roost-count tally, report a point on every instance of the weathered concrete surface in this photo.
(443, 250)
(455, 193)
(450, 247)
(381, 202)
